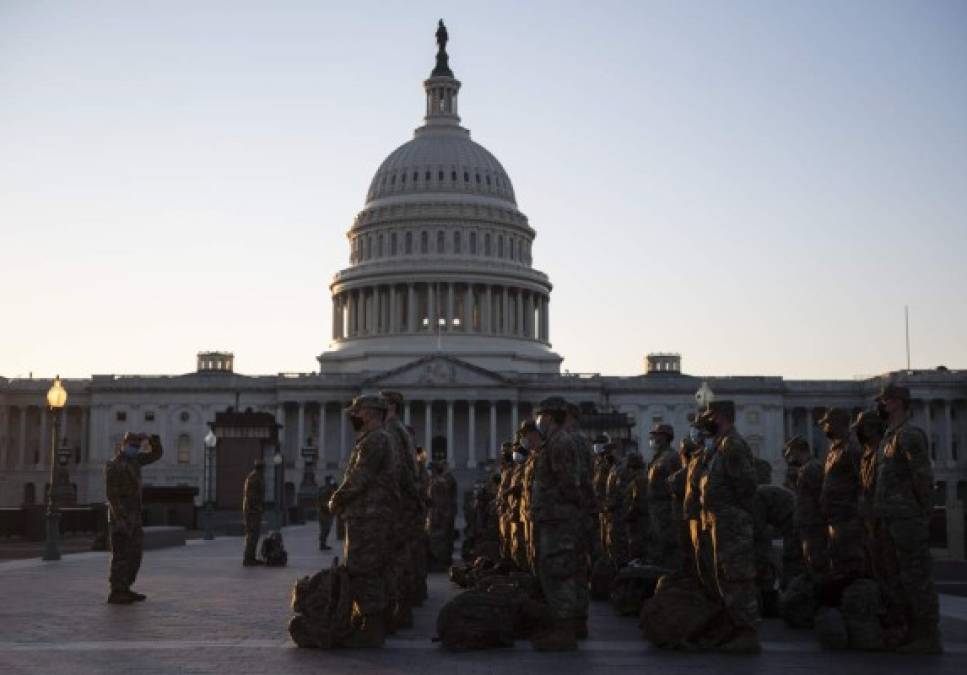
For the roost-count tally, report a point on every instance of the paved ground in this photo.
(208, 614)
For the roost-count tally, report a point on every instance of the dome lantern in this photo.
(442, 88)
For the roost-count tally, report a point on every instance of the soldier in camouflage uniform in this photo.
(839, 497)
(700, 535)
(809, 520)
(603, 461)
(869, 430)
(533, 443)
(526, 437)
(676, 486)
(325, 493)
(635, 516)
(253, 506)
(369, 501)
(441, 514)
(422, 547)
(903, 500)
(664, 462)
(556, 512)
(122, 478)
(615, 501)
(504, 516)
(403, 579)
(588, 542)
(728, 498)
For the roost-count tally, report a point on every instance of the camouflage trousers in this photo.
(846, 554)
(733, 540)
(419, 553)
(253, 527)
(558, 569)
(616, 540)
(815, 550)
(639, 538)
(686, 554)
(703, 555)
(325, 526)
(664, 536)
(367, 552)
(503, 529)
(398, 582)
(127, 548)
(792, 560)
(518, 545)
(905, 572)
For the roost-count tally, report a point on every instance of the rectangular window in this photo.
(149, 416)
(121, 416)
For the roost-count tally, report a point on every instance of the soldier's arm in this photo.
(912, 444)
(152, 455)
(741, 469)
(563, 465)
(369, 461)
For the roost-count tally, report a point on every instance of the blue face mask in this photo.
(695, 435)
(131, 450)
(519, 457)
(710, 446)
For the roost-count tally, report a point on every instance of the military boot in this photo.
(371, 633)
(120, 596)
(558, 637)
(743, 641)
(138, 597)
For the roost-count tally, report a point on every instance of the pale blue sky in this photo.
(761, 186)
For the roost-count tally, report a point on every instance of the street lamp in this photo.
(56, 400)
(211, 440)
(277, 462)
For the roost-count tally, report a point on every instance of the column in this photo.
(513, 417)
(451, 454)
(406, 413)
(343, 449)
(22, 458)
(371, 311)
(280, 419)
(321, 434)
(432, 324)
(547, 319)
(351, 305)
(428, 427)
(468, 308)
(472, 435)
(410, 308)
(948, 436)
(392, 328)
(44, 447)
(538, 321)
(335, 305)
(486, 321)
(450, 313)
(492, 450)
(505, 311)
(528, 325)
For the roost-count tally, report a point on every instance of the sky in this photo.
(759, 186)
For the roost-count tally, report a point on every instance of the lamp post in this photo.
(277, 463)
(211, 440)
(56, 400)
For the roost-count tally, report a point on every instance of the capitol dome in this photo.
(440, 257)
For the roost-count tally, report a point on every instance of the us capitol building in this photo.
(441, 301)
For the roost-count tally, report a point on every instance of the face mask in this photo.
(695, 435)
(131, 450)
(542, 424)
(710, 446)
(525, 443)
(519, 457)
(599, 448)
(357, 422)
(651, 443)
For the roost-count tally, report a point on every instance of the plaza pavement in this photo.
(206, 613)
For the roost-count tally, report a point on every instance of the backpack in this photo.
(798, 603)
(861, 607)
(324, 609)
(484, 619)
(831, 628)
(602, 575)
(632, 586)
(273, 550)
(680, 615)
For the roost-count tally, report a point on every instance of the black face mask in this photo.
(357, 422)
(882, 412)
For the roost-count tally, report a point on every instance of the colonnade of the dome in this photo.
(433, 307)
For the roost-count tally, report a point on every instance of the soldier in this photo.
(636, 514)
(122, 478)
(903, 500)
(664, 462)
(616, 492)
(676, 486)
(589, 539)
(253, 506)
(441, 515)
(422, 547)
(487, 542)
(869, 430)
(325, 516)
(518, 543)
(809, 520)
(728, 498)
(405, 537)
(603, 461)
(839, 497)
(368, 500)
(532, 442)
(700, 535)
(503, 499)
(556, 512)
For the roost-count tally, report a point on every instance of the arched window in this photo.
(440, 241)
(478, 179)
(424, 242)
(184, 449)
(453, 176)
(427, 175)
(409, 243)
(392, 179)
(487, 244)
(392, 244)
(439, 175)
(473, 243)
(457, 243)
(466, 176)
(416, 176)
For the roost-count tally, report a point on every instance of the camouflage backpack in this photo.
(861, 607)
(484, 619)
(681, 615)
(632, 586)
(273, 550)
(324, 609)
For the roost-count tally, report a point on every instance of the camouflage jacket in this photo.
(636, 500)
(601, 471)
(731, 479)
(515, 492)
(868, 465)
(839, 498)
(775, 509)
(663, 464)
(371, 486)
(585, 462)
(809, 486)
(423, 485)
(122, 480)
(904, 476)
(616, 492)
(692, 502)
(253, 495)
(503, 490)
(791, 478)
(406, 454)
(527, 485)
(676, 486)
(443, 499)
(557, 479)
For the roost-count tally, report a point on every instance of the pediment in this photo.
(436, 371)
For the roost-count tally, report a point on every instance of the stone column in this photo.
(472, 435)
(451, 314)
(343, 443)
(948, 437)
(371, 310)
(411, 308)
(280, 419)
(520, 312)
(513, 417)
(393, 322)
(492, 450)
(547, 319)
(431, 312)
(468, 308)
(539, 319)
(428, 427)
(22, 430)
(406, 413)
(451, 451)
(505, 310)
(44, 454)
(486, 321)
(321, 434)
(528, 325)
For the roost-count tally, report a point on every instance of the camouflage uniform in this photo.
(839, 501)
(527, 507)
(676, 487)
(616, 536)
(636, 511)
(403, 580)
(325, 493)
(700, 536)
(421, 549)
(664, 534)
(556, 510)
(588, 540)
(728, 497)
(440, 516)
(774, 516)
(253, 506)
(504, 516)
(809, 519)
(122, 478)
(369, 500)
(515, 501)
(903, 501)
(601, 471)
(869, 423)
